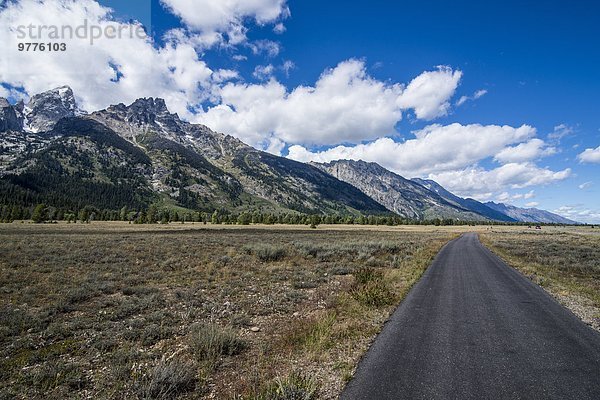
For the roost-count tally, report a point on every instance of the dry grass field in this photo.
(112, 311)
(564, 261)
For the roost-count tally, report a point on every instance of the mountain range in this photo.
(469, 204)
(529, 214)
(402, 196)
(141, 154)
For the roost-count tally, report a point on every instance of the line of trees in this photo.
(42, 213)
(155, 215)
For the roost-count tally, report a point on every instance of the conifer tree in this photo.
(40, 214)
(123, 214)
(152, 216)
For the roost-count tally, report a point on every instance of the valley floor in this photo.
(112, 310)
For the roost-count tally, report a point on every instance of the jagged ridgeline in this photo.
(404, 197)
(134, 156)
(141, 156)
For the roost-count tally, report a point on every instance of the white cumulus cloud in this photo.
(109, 71)
(590, 155)
(434, 149)
(214, 18)
(503, 197)
(429, 93)
(345, 105)
(579, 212)
(531, 150)
(474, 180)
(449, 155)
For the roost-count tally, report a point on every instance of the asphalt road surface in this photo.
(474, 328)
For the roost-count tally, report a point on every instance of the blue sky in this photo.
(534, 64)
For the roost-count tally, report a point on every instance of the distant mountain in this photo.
(52, 152)
(529, 214)
(469, 204)
(402, 196)
(141, 154)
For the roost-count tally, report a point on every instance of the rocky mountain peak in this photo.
(11, 117)
(142, 116)
(156, 105)
(45, 109)
(148, 111)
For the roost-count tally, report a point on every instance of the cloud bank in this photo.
(345, 113)
(450, 155)
(345, 105)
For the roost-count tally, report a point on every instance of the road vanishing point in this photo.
(475, 328)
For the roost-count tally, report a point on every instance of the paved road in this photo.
(474, 328)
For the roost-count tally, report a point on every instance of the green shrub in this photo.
(341, 270)
(240, 320)
(55, 373)
(370, 288)
(374, 294)
(364, 275)
(314, 335)
(292, 387)
(153, 333)
(139, 290)
(80, 294)
(210, 342)
(168, 379)
(267, 252)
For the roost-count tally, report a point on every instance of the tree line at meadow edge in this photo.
(155, 215)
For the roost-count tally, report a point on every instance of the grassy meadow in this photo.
(112, 311)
